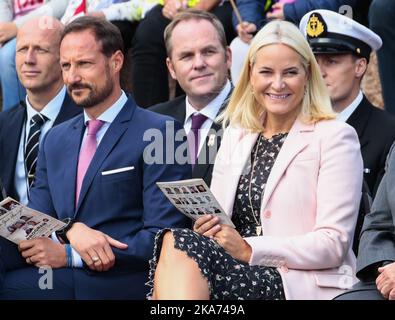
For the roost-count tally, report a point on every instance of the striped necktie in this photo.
(32, 146)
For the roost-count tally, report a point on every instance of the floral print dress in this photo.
(228, 278)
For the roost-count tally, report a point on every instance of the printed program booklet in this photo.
(194, 199)
(18, 222)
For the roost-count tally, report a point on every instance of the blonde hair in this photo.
(244, 110)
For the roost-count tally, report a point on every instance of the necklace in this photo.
(258, 227)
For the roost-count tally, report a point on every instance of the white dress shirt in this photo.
(347, 112)
(210, 111)
(51, 111)
(107, 117)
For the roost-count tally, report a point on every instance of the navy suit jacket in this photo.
(127, 206)
(11, 127)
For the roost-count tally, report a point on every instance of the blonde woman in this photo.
(288, 174)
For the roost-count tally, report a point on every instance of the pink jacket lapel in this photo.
(293, 144)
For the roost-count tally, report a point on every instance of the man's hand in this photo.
(385, 282)
(229, 239)
(277, 12)
(8, 30)
(43, 252)
(245, 31)
(171, 7)
(94, 246)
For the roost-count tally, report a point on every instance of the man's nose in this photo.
(30, 57)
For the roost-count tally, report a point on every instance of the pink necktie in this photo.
(87, 152)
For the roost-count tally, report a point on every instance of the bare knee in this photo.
(168, 252)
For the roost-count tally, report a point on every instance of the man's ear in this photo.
(117, 61)
(170, 66)
(361, 64)
(228, 57)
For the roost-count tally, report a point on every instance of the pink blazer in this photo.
(309, 208)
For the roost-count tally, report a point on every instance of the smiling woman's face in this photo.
(278, 80)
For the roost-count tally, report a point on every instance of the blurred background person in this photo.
(256, 13)
(13, 13)
(125, 14)
(381, 21)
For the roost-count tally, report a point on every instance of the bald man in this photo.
(47, 104)
(21, 131)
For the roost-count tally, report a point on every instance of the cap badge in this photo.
(315, 26)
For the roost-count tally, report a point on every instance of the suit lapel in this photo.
(359, 120)
(236, 163)
(15, 126)
(209, 151)
(293, 144)
(72, 148)
(179, 111)
(111, 137)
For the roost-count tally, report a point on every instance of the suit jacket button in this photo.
(267, 214)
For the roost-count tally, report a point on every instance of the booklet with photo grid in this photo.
(18, 222)
(194, 198)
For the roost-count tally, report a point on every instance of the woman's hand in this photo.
(226, 236)
(233, 243)
(208, 225)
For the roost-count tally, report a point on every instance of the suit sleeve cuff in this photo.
(77, 261)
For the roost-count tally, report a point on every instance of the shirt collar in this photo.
(111, 113)
(51, 109)
(347, 112)
(212, 109)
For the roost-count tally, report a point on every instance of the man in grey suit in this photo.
(199, 59)
(376, 258)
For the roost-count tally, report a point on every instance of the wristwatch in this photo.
(61, 233)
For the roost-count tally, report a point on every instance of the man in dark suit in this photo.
(342, 48)
(199, 59)
(37, 63)
(93, 174)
